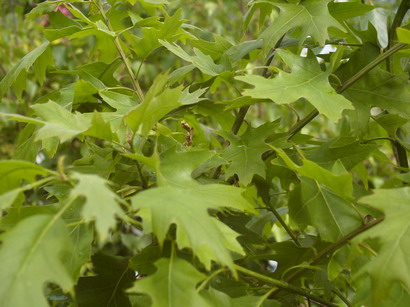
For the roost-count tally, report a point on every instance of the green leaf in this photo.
(84, 92)
(122, 103)
(102, 71)
(173, 284)
(53, 34)
(36, 243)
(403, 35)
(201, 61)
(313, 204)
(40, 66)
(80, 235)
(12, 172)
(307, 81)
(101, 129)
(82, 241)
(312, 17)
(23, 65)
(245, 153)
(59, 122)
(349, 154)
(215, 49)
(147, 114)
(390, 122)
(346, 10)
(239, 51)
(392, 261)
(7, 199)
(339, 183)
(182, 201)
(188, 209)
(218, 298)
(101, 204)
(158, 103)
(378, 88)
(111, 274)
(46, 7)
(169, 30)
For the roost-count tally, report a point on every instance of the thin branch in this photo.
(370, 66)
(344, 44)
(304, 121)
(144, 182)
(382, 138)
(285, 286)
(36, 184)
(342, 297)
(208, 279)
(242, 111)
(124, 58)
(284, 225)
(398, 150)
(239, 119)
(398, 19)
(334, 246)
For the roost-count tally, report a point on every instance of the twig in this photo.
(285, 286)
(243, 110)
(239, 119)
(398, 19)
(284, 225)
(304, 121)
(342, 297)
(398, 150)
(204, 283)
(144, 183)
(370, 66)
(334, 246)
(124, 58)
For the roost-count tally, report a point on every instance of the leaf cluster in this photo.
(205, 153)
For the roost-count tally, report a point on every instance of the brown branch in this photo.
(333, 247)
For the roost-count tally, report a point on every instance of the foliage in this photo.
(204, 153)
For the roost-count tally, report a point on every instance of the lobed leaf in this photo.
(101, 204)
(306, 80)
(35, 243)
(392, 262)
(23, 65)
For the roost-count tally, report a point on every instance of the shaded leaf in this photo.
(12, 172)
(112, 275)
(313, 204)
(245, 153)
(350, 154)
(173, 284)
(169, 30)
(378, 88)
(218, 298)
(346, 10)
(339, 183)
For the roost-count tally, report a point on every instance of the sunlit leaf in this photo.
(306, 80)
